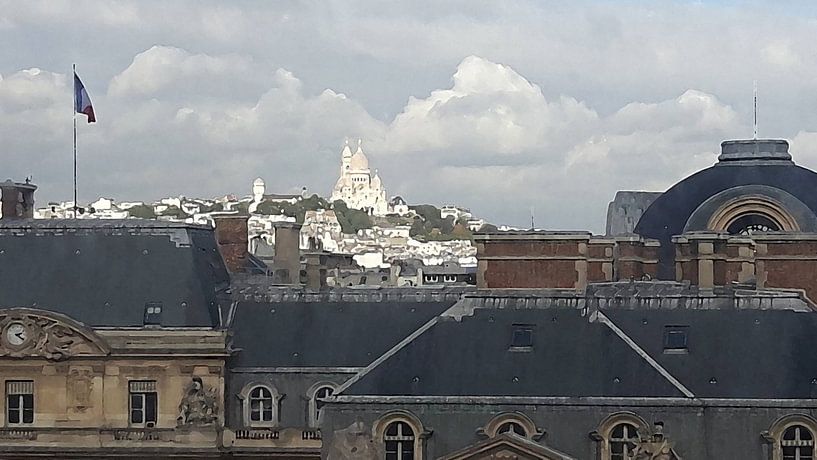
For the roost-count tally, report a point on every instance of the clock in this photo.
(16, 334)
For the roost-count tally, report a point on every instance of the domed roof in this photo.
(756, 167)
(376, 180)
(347, 152)
(359, 162)
(258, 181)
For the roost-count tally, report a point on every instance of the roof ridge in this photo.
(602, 318)
(388, 354)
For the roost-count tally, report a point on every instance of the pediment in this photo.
(32, 333)
(507, 447)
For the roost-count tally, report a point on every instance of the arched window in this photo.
(261, 405)
(797, 443)
(618, 434)
(792, 437)
(512, 427)
(316, 395)
(622, 441)
(399, 441)
(512, 423)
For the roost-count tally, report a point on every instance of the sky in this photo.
(500, 107)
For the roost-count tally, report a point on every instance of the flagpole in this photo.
(74, 112)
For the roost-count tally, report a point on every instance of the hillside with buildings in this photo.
(356, 220)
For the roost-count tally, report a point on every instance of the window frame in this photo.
(143, 396)
(313, 416)
(491, 429)
(246, 405)
(774, 435)
(603, 433)
(420, 433)
(21, 399)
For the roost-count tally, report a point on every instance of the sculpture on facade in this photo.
(198, 406)
(655, 446)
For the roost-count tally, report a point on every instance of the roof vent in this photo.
(755, 150)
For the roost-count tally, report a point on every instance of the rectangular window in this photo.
(19, 402)
(143, 403)
(676, 339)
(522, 338)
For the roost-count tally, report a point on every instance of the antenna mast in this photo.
(755, 101)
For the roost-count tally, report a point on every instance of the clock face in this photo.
(16, 334)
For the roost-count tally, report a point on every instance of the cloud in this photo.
(495, 106)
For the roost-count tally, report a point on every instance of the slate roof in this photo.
(570, 356)
(102, 272)
(669, 213)
(748, 353)
(324, 334)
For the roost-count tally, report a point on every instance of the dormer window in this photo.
(153, 314)
(522, 337)
(676, 339)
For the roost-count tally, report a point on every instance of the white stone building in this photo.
(357, 186)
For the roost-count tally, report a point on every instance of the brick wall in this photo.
(538, 259)
(232, 239)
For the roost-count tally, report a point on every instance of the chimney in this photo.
(232, 240)
(17, 200)
(286, 262)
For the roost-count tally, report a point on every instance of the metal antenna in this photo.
(532, 224)
(755, 124)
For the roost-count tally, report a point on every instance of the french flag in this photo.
(82, 103)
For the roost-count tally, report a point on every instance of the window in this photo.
(143, 403)
(512, 427)
(19, 402)
(623, 439)
(399, 440)
(676, 339)
(522, 336)
(450, 278)
(261, 405)
(618, 435)
(316, 402)
(153, 314)
(797, 443)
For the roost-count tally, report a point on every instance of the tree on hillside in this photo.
(142, 211)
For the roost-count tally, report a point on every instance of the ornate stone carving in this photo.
(655, 446)
(198, 406)
(80, 385)
(26, 333)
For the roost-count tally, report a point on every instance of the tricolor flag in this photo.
(82, 103)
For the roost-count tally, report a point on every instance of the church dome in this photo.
(376, 184)
(359, 162)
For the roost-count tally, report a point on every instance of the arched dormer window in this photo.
(618, 434)
(260, 404)
(316, 395)
(793, 438)
(514, 423)
(401, 435)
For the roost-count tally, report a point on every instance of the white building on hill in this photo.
(357, 187)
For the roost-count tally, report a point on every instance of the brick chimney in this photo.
(17, 200)
(286, 263)
(232, 240)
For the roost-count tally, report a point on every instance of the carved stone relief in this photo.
(198, 406)
(29, 333)
(80, 386)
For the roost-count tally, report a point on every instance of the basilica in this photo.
(357, 186)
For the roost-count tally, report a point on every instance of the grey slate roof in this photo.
(324, 334)
(102, 272)
(748, 353)
(571, 356)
